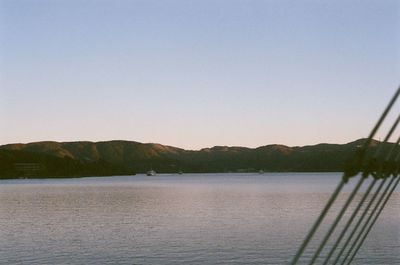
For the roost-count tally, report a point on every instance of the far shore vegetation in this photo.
(81, 159)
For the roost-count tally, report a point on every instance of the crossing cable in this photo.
(395, 175)
(392, 151)
(397, 160)
(318, 222)
(350, 221)
(365, 211)
(359, 160)
(355, 190)
(359, 222)
(357, 164)
(338, 218)
(376, 218)
(368, 220)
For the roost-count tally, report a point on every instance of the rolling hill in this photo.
(57, 159)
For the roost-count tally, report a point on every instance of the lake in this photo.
(176, 219)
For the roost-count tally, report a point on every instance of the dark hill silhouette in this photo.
(23, 164)
(126, 157)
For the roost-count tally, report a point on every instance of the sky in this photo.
(196, 73)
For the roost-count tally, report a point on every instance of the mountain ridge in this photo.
(126, 157)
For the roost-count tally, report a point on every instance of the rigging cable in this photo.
(363, 199)
(355, 190)
(359, 159)
(368, 220)
(359, 221)
(349, 222)
(364, 214)
(376, 217)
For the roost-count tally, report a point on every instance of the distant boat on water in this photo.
(151, 173)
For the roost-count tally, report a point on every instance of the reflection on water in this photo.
(174, 219)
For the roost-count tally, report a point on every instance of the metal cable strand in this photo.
(383, 116)
(368, 220)
(337, 220)
(387, 137)
(397, 160)
(343, 181)
(346, 227)
(349, 222)
(355, 190)
(359, 221)
(376, 218)
(357, 164)
(318, 222)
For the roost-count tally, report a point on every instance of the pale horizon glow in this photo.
(196, 74)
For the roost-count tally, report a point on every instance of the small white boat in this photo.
(151, 173)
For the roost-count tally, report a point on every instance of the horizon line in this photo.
(167, 145)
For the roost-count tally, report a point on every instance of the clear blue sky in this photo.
(196, 74)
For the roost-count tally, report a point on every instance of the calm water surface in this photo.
(175, 219)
